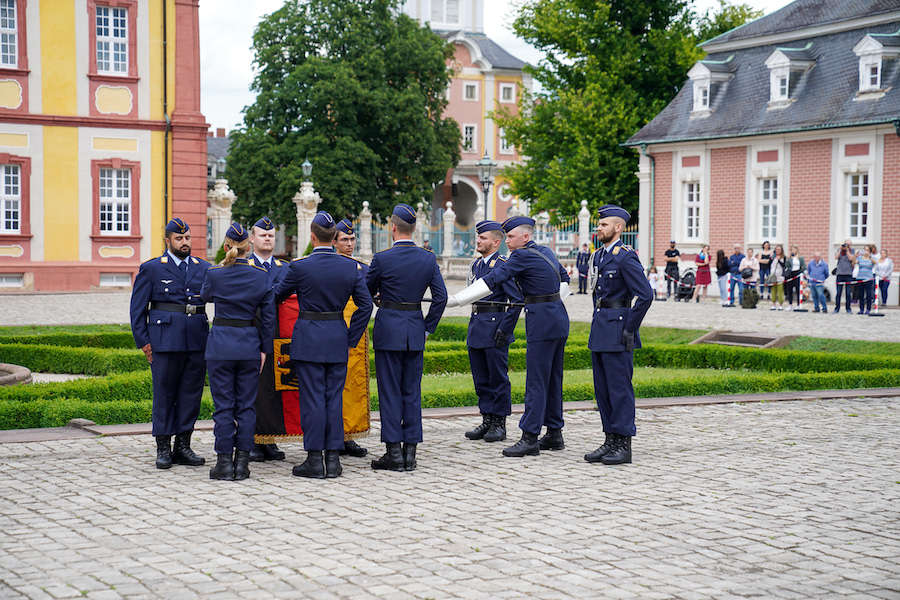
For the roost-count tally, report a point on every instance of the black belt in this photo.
(186, 309)
(320, 316)
(232, 322)
(539, 299)
(487, 308)
(617, 303)
(401, 305)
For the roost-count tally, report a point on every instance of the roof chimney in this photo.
(220, 132)
(210, 133)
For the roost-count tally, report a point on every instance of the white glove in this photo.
(564, 290)
(476, 291)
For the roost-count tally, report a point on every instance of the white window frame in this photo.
(465, 88)
(115, 279)
(115, 217)
(10, 199)
(512, 93)
(474, 146)
(112, 49)
(440, 9)
(9, 34)
(864, 223)
(693, 211)
(768, 231)
(12, 280)
(505, 146)
(701, 96)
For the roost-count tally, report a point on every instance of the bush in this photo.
(88, 340)
(79, 361)
(131, 387)
(58, 412)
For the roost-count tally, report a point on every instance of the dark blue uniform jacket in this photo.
(620, 278)
(159, 280)
(483, 326)
(277, 268)
(323, 282)
(544, 320)
(238, 290)
(582, 262)
(402, 273)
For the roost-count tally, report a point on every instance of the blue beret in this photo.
(323, 219)
(176, 225)
(611, 210)
(237, 232)
(513, 222)
(345, 226)
(405, 212)
(485, 226)
(265, 223)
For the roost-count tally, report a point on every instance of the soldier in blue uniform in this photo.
(324, 281)
(490, 334)
(618, 279)
(544, 284)
(582, 263)
(236, 351)
(262, 240)
(168, 321)
(345, 244)
(398, 277)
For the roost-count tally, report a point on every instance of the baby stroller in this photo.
(685, 288)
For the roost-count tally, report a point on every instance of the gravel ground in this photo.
(112, 307)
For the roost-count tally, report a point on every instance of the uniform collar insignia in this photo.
(164, 259)
(492, 263)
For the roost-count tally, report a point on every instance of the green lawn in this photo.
(845, 346)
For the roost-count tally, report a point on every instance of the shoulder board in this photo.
(150, 260)
(215, 267)
(164, 259)
(501, 258)
(300, 258)
(628, 248)
(616, 250)
(250, 264)
(385, 250)
(428, 249)
(360, 261)
(278, 263)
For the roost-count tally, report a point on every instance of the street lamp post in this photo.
(486, 177)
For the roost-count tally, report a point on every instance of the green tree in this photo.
(358, 89)
(727, 17)
(609, 67)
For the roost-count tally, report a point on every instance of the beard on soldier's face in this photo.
(181, 253)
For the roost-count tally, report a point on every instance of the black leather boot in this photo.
(409, 457)
(526, 446)
(313, 467)
(552, 440)
(271, 452)
(351, 448)
(620, 453)
(163, 452)
(333, 466)
(257, 454)
(182, 453)
(478, 432)
(224, 468)
(241, 464)
(497, 432)
(596, 455)
(392, 459)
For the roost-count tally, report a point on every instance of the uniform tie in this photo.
(183, 268)
(267, 266)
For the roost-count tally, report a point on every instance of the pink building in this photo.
(788, 131)
(486, 78)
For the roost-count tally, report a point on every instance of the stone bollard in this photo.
(365, 231)
(584, 225)
(449, 218)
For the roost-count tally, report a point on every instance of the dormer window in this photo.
(786, 68)
(874, 51)
(707, 77)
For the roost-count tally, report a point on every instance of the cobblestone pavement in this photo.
(779, 500)
(112, 307)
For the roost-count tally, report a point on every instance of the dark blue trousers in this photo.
(543, 385)
(613, 391)
(399, 377)
(582, 282)
(178, 379)
(491, 378)
(321, 404)
(233, 384)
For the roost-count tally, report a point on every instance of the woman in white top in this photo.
(752, 263)
(884, 270)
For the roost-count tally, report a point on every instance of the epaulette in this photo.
(163, 259)
(428, 249)
(278, 263)
(502, 258)
(215, 267)
(250, 264)
(385, 250)
(300, 258)
(359, 260)
(149, 260)
(194, 258)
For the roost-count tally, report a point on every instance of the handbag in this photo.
(746, 273)
(834, 271)
(771, 279)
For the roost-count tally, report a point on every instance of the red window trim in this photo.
(24, 164)
(132, 75)
(21, 67)
(135, 212)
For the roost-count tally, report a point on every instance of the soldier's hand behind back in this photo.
(628, 340)
(148, 352)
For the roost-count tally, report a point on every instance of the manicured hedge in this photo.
(58, 412)
(82, 361)
(86, 340)
(129, 387)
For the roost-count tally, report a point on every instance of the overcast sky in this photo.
(226, 33)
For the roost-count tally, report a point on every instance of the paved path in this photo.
(783, 500)
(112, 307)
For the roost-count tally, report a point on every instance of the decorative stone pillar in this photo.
(542, 223)
(584, 225)
(365, 231)
(218, 212)
(421, 225)
(449, 218)
(478, 216)
(513, 210)
(307, 201)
